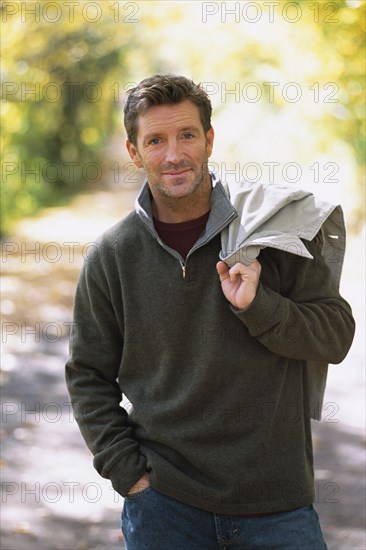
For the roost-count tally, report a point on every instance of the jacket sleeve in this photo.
(91, 375)
(303, 316)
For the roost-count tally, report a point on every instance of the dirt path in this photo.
(51, 496)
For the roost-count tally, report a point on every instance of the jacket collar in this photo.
(221, 214)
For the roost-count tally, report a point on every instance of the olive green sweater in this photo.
(220, 411)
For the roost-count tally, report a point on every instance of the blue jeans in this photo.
(153, 521)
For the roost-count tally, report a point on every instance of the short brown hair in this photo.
(168, 89)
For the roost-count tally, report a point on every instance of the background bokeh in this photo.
(286, 80)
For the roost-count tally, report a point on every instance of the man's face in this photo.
(173, 149)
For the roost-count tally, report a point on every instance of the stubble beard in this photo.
(196, 189)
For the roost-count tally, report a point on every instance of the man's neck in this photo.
(182, 210)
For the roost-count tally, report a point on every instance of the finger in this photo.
(240, 269)
(244, 268)
(222, 270)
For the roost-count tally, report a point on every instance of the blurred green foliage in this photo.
(58, 110)
(65, 70)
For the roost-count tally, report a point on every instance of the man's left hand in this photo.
(239, 283)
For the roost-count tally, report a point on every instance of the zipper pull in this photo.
(183, 269)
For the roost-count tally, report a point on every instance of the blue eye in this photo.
(155, 141)
(188, 135)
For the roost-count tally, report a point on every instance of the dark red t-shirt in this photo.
(181, 236)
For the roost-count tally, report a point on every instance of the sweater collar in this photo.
(221, 214)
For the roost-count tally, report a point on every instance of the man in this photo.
(217, 450)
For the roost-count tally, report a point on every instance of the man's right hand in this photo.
(141, 484)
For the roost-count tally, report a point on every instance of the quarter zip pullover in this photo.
(220, 409)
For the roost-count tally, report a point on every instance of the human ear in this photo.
(133, 152)
(209, 141)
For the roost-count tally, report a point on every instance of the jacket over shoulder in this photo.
(279, 216)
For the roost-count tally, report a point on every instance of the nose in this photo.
(173, 153)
